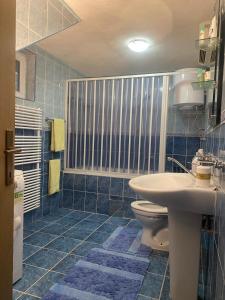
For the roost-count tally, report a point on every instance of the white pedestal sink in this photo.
(186, 203)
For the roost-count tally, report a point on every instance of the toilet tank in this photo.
(185, 97)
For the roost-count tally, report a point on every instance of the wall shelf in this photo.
(204, 85)
(208, 44)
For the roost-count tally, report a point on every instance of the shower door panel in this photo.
(115, 124)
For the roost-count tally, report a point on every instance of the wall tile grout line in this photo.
(164, 278)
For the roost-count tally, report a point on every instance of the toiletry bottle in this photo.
(195, 161)
(203, 176)
(207, 76)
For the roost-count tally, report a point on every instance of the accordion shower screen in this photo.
(117, 124)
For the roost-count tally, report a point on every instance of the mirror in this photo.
(37, 22)
(25, 74)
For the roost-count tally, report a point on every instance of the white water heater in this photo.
(185, 97)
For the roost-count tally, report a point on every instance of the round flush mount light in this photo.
(138, 45)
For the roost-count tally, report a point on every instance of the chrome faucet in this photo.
(180, 165)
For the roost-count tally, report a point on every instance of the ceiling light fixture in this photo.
(138, 45)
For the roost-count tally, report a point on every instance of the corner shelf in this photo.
(204, 85)
(208, 44)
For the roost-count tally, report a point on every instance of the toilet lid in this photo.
(148, 206)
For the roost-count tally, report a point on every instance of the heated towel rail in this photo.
(28, 123)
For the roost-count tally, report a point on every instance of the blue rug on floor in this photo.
(128, 240)
(120, 261)
(103, 275)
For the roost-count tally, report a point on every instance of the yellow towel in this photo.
(57, 135)
(54, 176)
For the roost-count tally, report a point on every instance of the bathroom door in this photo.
(7, 105)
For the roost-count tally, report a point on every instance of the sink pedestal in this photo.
(184, 249)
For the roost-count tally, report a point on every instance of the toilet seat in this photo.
(149, 207)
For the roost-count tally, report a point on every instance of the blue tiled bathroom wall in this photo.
(182, 148)
(215, 143)
(36, 20)
(51, 75)
(106, 194)
(185, 130)
(99, 194)
(50, 90)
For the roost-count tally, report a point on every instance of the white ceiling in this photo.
(97, 46)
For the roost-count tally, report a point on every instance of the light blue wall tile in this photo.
(38, 19)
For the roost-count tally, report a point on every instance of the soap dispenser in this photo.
(195, 161)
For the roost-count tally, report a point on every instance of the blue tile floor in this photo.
(53, 244)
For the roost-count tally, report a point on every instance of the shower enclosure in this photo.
(117, 125)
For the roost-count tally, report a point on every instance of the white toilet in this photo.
(154, 219)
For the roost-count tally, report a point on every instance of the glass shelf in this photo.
(203, 85)
(208, 44)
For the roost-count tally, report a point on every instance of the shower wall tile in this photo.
(116, 187)
(101, 194)
(68, 181)
(90, 202)
(182, 148)
(68, 198)
(79, 200)
(103, 184)
(80, 182)
(91, 184)
(38, 19)
(127, 191)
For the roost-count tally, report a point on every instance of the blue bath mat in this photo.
(128, 240)
(119, 261)
(90, 281)
(103, 275)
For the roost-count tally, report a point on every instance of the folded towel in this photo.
(54, 176)
(57, 135)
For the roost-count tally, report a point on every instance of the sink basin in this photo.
(175, 190)
(186, 203)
